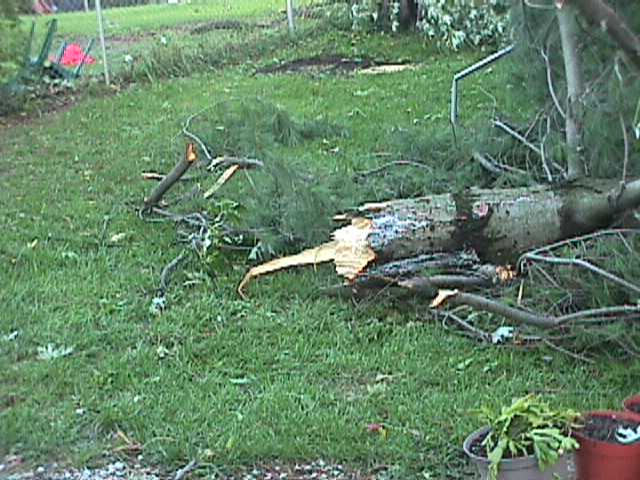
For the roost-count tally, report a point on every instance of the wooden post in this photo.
(290, 16)
(86, 5)
(102, 43)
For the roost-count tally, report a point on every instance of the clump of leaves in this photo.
(529, 426)
(451, 24)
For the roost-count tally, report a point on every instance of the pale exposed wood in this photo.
(172, 177)
(224, 178)
(399, 238)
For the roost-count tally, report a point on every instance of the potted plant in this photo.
(609, 446)
(526, 440)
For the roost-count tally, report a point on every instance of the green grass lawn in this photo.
(288, 374)
(131, 20)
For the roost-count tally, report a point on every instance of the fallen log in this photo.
(494, 225)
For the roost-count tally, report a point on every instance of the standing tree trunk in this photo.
(290, 19)
(408, 14)
(575, 88)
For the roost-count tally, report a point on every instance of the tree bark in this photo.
(290, 18)
(172, 177)
(575, 88)
(399, 236)
(408, 14)
(601, 14)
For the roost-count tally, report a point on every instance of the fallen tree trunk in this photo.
(496, 225)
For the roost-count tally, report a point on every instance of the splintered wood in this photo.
(349, 251)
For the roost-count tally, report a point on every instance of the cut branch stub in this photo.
(176, 173)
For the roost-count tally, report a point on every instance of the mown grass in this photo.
(288, 374)
(145, 18)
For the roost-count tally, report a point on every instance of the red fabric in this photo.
(73, 56)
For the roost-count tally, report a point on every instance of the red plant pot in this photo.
(598, 460)
(632, 404)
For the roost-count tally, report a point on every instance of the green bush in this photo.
(11, 48)
(11, 37)
(450, 23)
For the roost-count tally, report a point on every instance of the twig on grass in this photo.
(573, 240)
(159, 177)
(167, 271)
(494, 167)
(467, 328)
(528, 317)
(577, 262)
(241, 162)
(194, 137)
(564, 351)
(388, 165)
(186, 470)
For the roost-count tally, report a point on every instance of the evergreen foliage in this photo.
(612, 90)
(11, 39)
(286, 205)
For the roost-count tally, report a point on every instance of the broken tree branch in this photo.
(194, 137)
(494, 167)
(167, 271)
(478, 302)
(176, 173)
(604, 17)
(467, 328)
(224, 178)
(577, 262)
(507, 129)
(524, 316)
(498, 225)
(386, 166)
(231, 161)
(552, 91)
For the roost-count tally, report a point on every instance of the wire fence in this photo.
(167, 36)
(86, 5)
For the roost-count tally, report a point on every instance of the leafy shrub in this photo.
(454, 23)
(11, 47)
(451, 23)
(12, 41)
(11, 37)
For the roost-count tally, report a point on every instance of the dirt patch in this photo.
(479, 449)
(604, 428)
(319, 64)
(228, 25)
(47, 107)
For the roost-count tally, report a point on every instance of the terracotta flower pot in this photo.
(520, 468)
(632, 404)
(599, 460)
